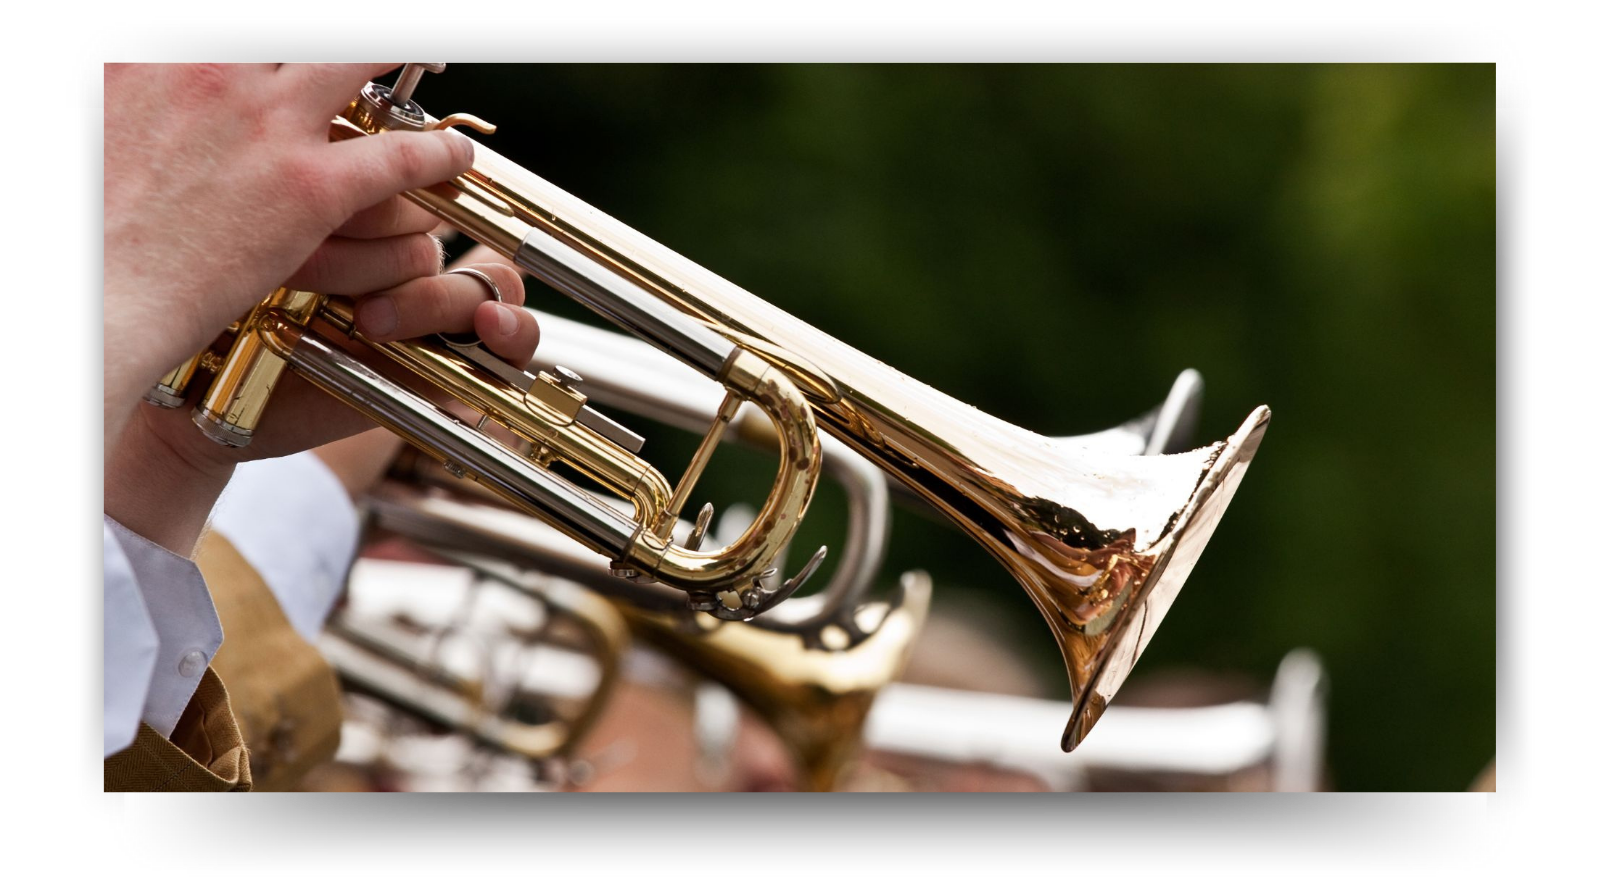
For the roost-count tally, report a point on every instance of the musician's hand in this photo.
(220, 183)
(164, 475)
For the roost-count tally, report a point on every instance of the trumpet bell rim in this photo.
(1176, 554)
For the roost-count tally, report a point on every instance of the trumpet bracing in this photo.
(1101, 543)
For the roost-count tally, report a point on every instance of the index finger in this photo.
(395, 216)
(328, 88)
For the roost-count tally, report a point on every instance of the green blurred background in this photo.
(1056, 243)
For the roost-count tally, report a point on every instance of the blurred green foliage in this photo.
(1056, 243)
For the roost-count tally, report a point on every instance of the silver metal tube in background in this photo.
(1004, 730)
(1299, 712)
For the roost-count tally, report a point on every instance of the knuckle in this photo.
(257, 120)
(394, 215)
(309, 183)
(508, 281)
(420, 255)
(315, 272)
(407, 160)
(438, 304)
(206, 80)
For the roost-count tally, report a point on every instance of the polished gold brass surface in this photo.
(1100, 543)
(816, 701)
(799, 467)
(172, 390)
(169, 391)
(234, 403)
(552, 435)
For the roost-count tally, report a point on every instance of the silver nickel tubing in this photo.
(532, 488)
(569, 271)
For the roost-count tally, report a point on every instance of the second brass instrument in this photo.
(1101, 543)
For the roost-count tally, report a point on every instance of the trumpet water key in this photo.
(1100, 543)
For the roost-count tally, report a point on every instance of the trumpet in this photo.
(812, 675)
(1101, 543)
(623, 373)
(501, 698)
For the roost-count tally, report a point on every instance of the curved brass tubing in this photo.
(799, 468)
(816, 701)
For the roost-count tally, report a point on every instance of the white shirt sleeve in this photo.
(161, 632)
(292, 520)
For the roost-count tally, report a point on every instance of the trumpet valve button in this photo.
(409, 76)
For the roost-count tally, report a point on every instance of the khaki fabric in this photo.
(277, 718)
(285, 696)
(206, 752)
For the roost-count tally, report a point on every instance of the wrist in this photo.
(158, 491)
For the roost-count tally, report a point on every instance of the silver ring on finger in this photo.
(470, 339)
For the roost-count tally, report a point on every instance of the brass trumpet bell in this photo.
(1104, 628)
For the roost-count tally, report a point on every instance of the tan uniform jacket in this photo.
(276, 718)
